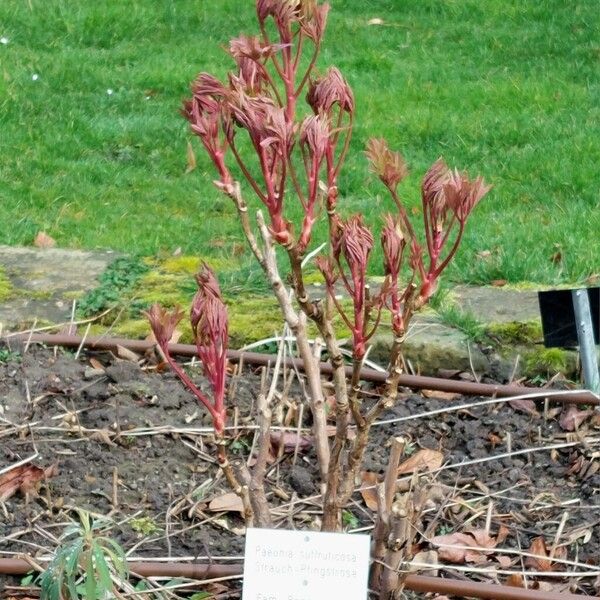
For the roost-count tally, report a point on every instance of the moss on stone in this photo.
(252, 318)
(546, 362)
(314, 278)
(189, 265)
(35, 294)
(6, 287)
(167, 288)
(528, 332)
(171, 281)
(74, 294)
(259, 317)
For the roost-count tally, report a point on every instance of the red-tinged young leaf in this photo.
(393, 243)
(314, 20)
(462, 195)
(330, 90)
(389, 166)
(252, 47)
(163, 323)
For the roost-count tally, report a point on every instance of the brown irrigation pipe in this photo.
(417, 382)
(416, 583)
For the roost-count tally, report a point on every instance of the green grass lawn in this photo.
(506, 88)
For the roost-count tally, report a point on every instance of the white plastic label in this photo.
(305, 565)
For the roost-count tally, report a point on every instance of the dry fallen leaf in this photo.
(290, 439)
(43, 240)
(571, 417)
(369, 495)
(495, 440)
(425, 557)
(448, 373)
(515, 580)
(96, 364)
(556, 258)
(191, 158)
(229, 502)
(498, 282)
(375, 21)
(24, 479)
(422, 460)
(525, 406)
(472, 547)
(542, 561)
(440, 395)
(331, 429)
(102, 436)
(504, 561)
(127, 354)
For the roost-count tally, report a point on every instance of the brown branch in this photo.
(235, 193)
(258, 497)
(297, 325)
(240, 488)
(405, 513)
(385, 499)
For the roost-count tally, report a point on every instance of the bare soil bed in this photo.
(130, 442)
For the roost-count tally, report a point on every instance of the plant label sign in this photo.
(305, 565)
(558, 317)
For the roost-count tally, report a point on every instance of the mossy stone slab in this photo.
(43, 282)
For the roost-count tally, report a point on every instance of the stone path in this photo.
(44, 282)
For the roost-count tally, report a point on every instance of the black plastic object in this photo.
(558, 317)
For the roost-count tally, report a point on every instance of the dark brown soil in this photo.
(55, 400)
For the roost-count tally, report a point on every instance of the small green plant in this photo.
(86, 565)
(349, 520)
(463, 320)
(119, 277)
(453, 315)
(545, 362)
(144, 525)
(7, 355)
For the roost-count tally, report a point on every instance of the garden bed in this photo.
(128, 441)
